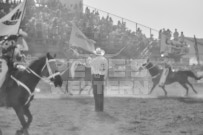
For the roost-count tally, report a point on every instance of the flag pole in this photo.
(22, 16)
(196, 51)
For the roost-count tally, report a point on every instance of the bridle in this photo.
(51, 74)
(145, 66)
(45, 79)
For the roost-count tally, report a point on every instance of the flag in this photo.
(78, 39)
(10, 23)
(196, 50)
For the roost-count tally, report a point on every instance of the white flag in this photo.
(10, 23)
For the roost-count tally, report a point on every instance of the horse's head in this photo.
(51, 72)
(146, 65)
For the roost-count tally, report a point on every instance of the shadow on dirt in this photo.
(106, 117)
(187, 100)
(190, 100)
(80, 100)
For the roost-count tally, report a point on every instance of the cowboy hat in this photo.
(11, 37)
(15, 37)
(99, 51)
(22, 33)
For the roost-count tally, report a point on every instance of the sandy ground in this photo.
(75, 115)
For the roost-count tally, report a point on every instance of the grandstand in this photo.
(48, 24)
(50, 29)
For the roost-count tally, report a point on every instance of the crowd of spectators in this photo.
(174, 42)
(50, 23)
(109, 36)
(176, 37)
(6, 6)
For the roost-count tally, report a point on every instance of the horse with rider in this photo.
(11, 56)
(18, 82)
(166, 75)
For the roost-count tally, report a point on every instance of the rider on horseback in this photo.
(12, 52)
(166, 70)
(10, 57)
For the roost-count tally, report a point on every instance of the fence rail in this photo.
(132, 25)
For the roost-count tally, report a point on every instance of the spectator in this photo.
(50, 23)
(168, 35)
(182, 38)
(176, 35)
(160, 34)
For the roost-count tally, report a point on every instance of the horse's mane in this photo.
(32, 65)
(155, 68)
(36, 61)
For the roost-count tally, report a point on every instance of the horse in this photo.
(19, 88)
(173, 76)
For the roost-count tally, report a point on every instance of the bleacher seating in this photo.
(49, 25)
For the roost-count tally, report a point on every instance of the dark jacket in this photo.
(7, 54)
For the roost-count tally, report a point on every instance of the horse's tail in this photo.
(191, 74)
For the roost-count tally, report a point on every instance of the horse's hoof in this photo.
(1, 132)
(19, 132)
(25, 131)
(22, 132)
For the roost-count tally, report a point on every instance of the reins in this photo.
(150, 67)
(29, 70)
(155, 76)
(19, 83)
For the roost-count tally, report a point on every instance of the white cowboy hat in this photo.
(99, 51)
(23, 33)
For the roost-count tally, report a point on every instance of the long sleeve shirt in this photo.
(99, 65)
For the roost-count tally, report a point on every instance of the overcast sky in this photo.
(185, 15)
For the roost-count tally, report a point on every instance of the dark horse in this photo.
(177, 76)
(19, 88)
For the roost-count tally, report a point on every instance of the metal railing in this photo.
(131, 25)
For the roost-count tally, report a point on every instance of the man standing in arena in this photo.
(99, 70)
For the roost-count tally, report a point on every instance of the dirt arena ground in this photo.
(74, 115)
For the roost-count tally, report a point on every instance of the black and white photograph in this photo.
(101, 67)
